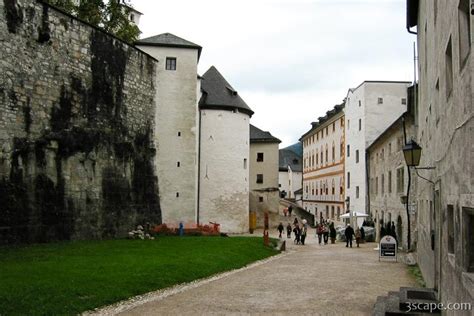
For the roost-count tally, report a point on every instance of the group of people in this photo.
(299, 231)
(323, 229)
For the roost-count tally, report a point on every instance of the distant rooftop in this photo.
(168, 40)
(288, 158)
(219, 94)
(259, 136)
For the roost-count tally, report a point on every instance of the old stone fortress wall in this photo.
(76, 129)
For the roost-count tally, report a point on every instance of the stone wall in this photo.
(76, 129)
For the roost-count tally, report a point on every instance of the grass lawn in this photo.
(71, 277)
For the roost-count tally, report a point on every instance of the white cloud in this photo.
(291, 60)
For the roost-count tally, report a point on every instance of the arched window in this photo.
(333, 152)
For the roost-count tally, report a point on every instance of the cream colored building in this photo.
(388, 176)
(224, 155)
(370, 109)
(445, 203)
(323, 166)
(263, 180)
(176, 124)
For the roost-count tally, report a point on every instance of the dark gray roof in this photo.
(287, 158)
(217, 93)
(259, 136)
(168, 40)
(323, 119)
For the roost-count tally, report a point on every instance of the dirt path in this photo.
(306, 280)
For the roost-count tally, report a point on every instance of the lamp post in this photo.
(348, 204)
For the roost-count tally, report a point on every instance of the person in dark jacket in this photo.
(288, 230)
(362, 233)
(280, 229)
(349, 232)
(297, 231)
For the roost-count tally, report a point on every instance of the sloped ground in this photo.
(306, 280)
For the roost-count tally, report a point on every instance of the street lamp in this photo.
(348, 204)
(412, 153)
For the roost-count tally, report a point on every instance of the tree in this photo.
(111, 16)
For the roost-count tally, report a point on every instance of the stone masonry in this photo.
(76, 129)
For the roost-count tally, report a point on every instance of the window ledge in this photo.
(452, 259)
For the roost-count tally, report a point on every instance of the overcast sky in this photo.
(290, 60)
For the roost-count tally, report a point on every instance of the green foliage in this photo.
(110, 15)
(416, 272)
(70, 277)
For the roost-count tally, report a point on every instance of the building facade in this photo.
(290, 172)
(263, 180)
(388, 174)
(176, 120)
(223, 155)
(445, 200)
(323, 166)
(370, 108)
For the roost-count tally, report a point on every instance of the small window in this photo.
(259, 178)
(132, 17)
(383, 184)
(348, 124)
(390, 182)
(376, 185)
(449, 69)
(360, 124)
(177, 194)
(179, 134)
(400, 179)
(170, 63)
(360, 103)
(464, 27)
(450, 215)
(348, 150)
(295, 161)
(260, 199)
(357, 156)
(348, 180)
(468, 240)
(260, 157)
(357, 192)
(404, 101)
(334, 126)
(245, 163)
(380, 101)
(178, 164)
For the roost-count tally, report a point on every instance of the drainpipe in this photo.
(199, 170)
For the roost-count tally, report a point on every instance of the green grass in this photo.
(416, 272)
(71, 277)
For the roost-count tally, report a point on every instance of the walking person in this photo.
(304, 231)
(326, 233)
(349, 232)
(357, 236)
(280, 229)
(288, 230)
(297, 232)
(319, 231)
(295, 222)
(290, 209)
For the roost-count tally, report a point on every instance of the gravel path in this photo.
(305, 280)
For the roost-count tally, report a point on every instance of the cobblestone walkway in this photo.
(305, 280)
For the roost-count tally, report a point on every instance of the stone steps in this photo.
(399, 303)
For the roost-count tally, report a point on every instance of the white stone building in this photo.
(223, 154)
(176, 124)
(370, 108)
(323, 166)
(388, 174)
(290, 172)
(263, 179)
(445, 203)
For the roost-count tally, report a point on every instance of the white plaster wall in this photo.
(375, 118)
(176, 111)
(283, 181)
(224, 182)
(296, 181)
